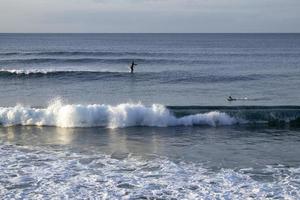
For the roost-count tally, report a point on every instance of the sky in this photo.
(148, 16)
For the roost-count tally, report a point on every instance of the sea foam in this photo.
(96, 115)
(26, 71)
(33, 172)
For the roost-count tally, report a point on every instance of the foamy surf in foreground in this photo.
(122, 115)
(39, 173)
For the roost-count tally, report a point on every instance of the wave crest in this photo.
(35, 73)
(122, 115)
(25, 72)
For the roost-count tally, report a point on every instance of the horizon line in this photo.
(149, 32)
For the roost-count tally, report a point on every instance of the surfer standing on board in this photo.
(132, 66)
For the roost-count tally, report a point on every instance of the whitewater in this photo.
(122, 115)
(55, 175)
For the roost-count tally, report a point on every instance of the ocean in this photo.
(76, 124)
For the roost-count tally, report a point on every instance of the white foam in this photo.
(45, 173)
(27, 71)
(58, 70)
(122, 115)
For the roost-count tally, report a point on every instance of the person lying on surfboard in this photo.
(230, 99)
(132, 66)
(238, 99)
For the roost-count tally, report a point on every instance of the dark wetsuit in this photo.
(132, 66)
(230, 99)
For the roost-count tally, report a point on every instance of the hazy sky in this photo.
(149, 16)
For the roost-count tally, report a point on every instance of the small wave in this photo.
(24, 72)
(107, 60)
(151, 54)
(271, 115)
(33, 73)
(194, 77)
(164, 77)
(123, 115)
(64, 53)
(87, 53)
(72, 60)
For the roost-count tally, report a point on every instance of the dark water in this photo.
(74, 123)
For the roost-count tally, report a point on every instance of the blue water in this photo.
(206, 68)
(74, 123)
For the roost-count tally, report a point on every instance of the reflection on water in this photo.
(64, 136)
(219, 147)
(26, 135)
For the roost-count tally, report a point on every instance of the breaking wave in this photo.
(47, 72)
(122, 115)
(130, 114)
(7, 72)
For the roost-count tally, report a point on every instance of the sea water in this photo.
(74, 123)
